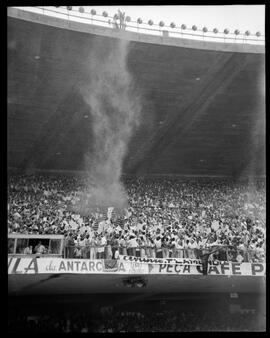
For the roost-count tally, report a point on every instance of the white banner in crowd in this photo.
(109, 213)
(48, 265)
(215, 225)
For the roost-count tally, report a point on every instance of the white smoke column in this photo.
(115, 111)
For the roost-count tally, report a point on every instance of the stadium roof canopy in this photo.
(203, 102)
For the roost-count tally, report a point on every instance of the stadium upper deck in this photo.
(203, 103)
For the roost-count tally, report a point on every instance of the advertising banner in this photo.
(223, 269)
(19, 265)
(48, 265)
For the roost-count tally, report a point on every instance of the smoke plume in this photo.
(115, 111)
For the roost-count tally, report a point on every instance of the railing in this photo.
(113, 252)
(176, 31)
(56, 248)
(21, 245)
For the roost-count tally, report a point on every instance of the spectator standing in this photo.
(179, 248)
(108, 249)
(93, 248)
(78, 252)
(165, 246)
(115, 245)
(192, 246)
(87, 246)
(122, 246)
(71, 245)
(158, 248)
(152, 249)
(132, 245)
(82, 244)
(239, 257)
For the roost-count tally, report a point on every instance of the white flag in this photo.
(109, 213)
(215, 225)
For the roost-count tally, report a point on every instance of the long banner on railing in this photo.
(183, 261)
(19, 265)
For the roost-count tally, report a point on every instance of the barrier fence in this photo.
(113, 252)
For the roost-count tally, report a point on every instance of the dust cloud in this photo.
(114, 106)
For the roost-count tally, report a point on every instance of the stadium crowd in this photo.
(136, 321)
(166, 217)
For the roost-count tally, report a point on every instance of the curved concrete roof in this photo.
(132, 36)
(203, 107)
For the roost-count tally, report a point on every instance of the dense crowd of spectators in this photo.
(131, 321)
(166, 217)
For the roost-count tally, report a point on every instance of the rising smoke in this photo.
(115, 112)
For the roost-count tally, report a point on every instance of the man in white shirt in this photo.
(132, 245)
(103, 243)
(78, 252)
(82, 242)
(101, 226)
(82, 229)
(192, 246)
(28, 250)
(116, 254)
(158, 248)
(117, 229)
(100, 248)
(239, 258)
(40, 249)
(139, 226)
(132, 227)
